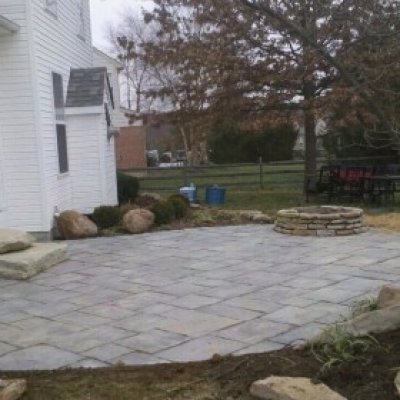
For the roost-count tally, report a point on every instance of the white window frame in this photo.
(51, 6)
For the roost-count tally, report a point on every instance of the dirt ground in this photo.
(225, 378)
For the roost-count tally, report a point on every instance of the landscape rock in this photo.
(138, 221)
(388, 296)
(284, 388)
(25, 264)
(148, 200)
(374, 322)
(14, 240)
(397, 382)
(12, 389)
(73, 225)
(257, 217)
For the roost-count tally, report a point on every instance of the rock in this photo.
(277, 388)
(27, 263)
(138, 221)
(263, 219)
(12, 389)
(388, 296)
(14, 240)
(73, 225)
(374, 322)
(397, 382)
(148, 200)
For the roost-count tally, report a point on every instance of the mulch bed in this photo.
(222, 378)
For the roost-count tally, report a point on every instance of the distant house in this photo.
(57, 114)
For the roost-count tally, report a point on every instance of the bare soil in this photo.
(222, 378)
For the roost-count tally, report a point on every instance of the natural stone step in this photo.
(14, 240)
(27, 263)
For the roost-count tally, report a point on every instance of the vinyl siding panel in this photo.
(20, 185)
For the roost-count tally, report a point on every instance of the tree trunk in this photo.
(310, 162)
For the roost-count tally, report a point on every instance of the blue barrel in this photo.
(190, 192)
(215, 195)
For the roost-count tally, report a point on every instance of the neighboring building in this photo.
(56, 132)
(131, 148)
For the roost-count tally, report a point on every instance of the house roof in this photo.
(86, 87)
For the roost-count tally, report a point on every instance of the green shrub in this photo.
(106, 216)
(128, 188)
(164, 213)
(180, 205)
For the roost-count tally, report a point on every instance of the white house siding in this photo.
(57, 48)
(20, 191)
(84, 162)
(110, 168)
(101, 59)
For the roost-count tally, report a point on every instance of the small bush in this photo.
(106, 217)
(148, 200)
(164, 213)
(128, 188)
(181, 205)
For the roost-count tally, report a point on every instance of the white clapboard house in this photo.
(56, 114)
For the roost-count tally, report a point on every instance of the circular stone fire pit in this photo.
(320, 221)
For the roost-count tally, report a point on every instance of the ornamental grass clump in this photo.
(342, 347)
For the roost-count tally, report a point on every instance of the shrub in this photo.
(164, 213)
(106, 216)
(128, 188)
(180, 204)
(148, 200)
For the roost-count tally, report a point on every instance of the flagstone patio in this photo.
(187, 295)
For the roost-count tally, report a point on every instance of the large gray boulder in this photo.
(73, 225)
(35, 259)
(138, 221)
(14, 240)
(283, 388)
(397, 382)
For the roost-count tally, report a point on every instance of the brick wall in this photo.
(131, 147)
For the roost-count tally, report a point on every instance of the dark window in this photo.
(58, 95)
(62, 148)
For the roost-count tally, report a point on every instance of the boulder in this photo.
(374, 322)
(256, 216)
(397, 382)
(148, 200)
(14, 240)
(138, 221)
(388, 296)
(282, 388)
(73, 225)
(12, 389)
(35, 259)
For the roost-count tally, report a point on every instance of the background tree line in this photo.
(264, 63)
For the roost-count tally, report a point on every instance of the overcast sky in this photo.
(104, 12)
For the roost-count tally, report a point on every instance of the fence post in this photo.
(185, 178)
(260, 161)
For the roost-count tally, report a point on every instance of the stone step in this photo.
(27, 263)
